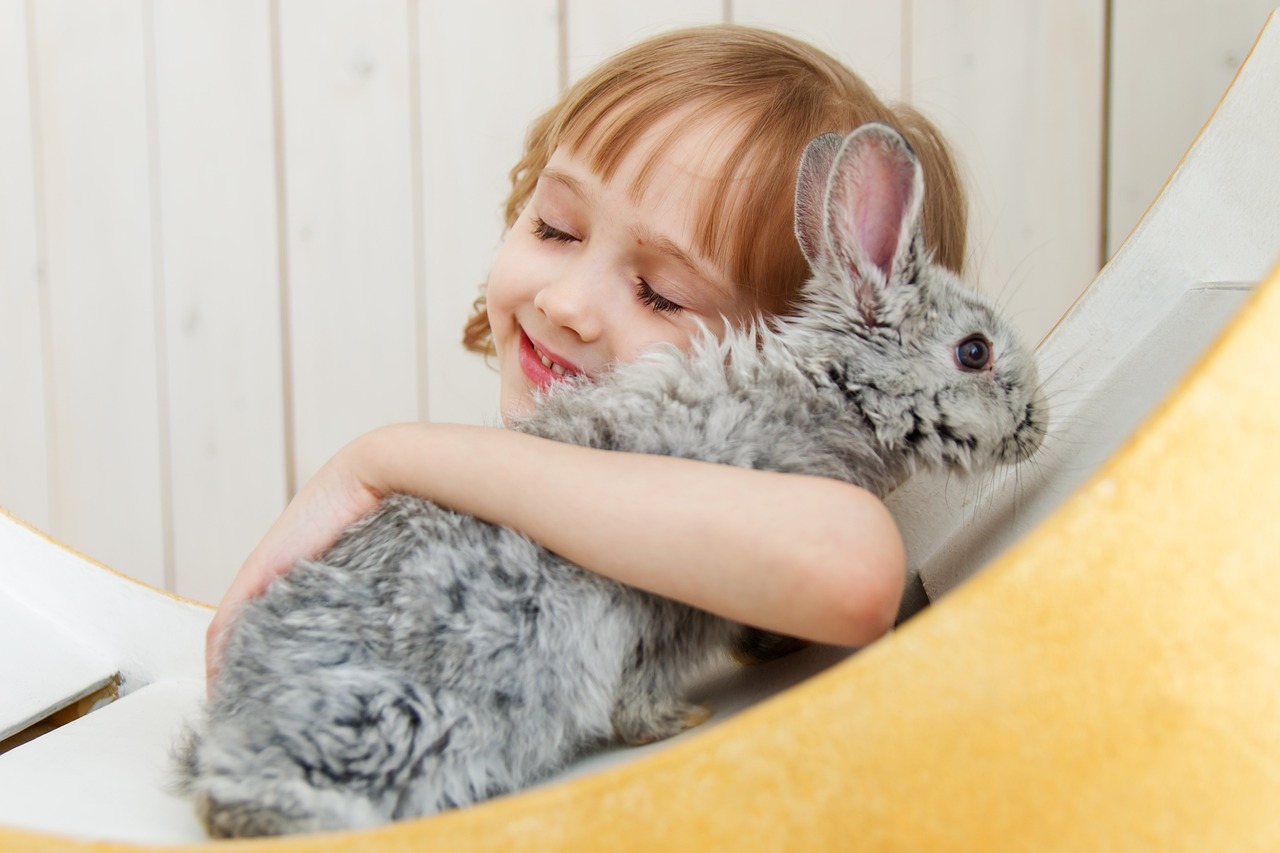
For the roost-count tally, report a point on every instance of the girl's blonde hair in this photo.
(782, 93)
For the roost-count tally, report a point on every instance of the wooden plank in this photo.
(349, 178)
(24, 429)
(1171, 60)
(218, 209)
(95, 696)
(476, 109)
(597, 29)
(866, 35)
(91, 91)
(145, 634)
(43, 667)
(1017, 87)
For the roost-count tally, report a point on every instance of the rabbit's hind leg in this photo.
(649, 705)
(241, 790)
(652, 719)
(251, 807)
(674, 642)
(332, 750)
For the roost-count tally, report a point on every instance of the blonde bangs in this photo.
(744, 222)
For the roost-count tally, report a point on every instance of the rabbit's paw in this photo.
(254, 808)
(639, 726)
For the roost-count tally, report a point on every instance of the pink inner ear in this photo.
(880, 203)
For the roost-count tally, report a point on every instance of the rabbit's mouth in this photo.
(1029, 435)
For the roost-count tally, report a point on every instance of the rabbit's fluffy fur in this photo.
(430, 660)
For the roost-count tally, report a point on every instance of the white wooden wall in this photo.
(234, 234)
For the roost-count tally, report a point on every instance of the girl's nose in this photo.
(572, 303)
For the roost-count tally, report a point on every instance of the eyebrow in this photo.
(566, 180)
(668, 248)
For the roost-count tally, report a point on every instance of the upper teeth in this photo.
(549, 364)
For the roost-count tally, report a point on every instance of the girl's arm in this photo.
(799, 555)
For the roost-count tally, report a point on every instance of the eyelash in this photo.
(655, 300)
(651, 298)
(543, 231)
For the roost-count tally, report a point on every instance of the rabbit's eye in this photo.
(974, 353)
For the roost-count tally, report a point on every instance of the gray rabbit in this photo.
(430, 660)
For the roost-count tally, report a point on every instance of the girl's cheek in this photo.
(649, 332)
(512, 264)
(524, 256)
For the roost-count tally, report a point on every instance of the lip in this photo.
(539, 374)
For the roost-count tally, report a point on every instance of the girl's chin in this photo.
(516, 403)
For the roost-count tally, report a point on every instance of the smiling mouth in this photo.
(540, 367)
(554, 367)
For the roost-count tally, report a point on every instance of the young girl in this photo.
(654, 200)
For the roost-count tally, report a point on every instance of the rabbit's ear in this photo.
(811, 196)
(873, 215)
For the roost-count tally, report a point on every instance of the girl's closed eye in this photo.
(543, 231)
(655, 300)
(651, 298)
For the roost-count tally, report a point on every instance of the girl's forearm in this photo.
(801, 555)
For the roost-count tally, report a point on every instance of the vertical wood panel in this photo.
(92, 92)
(220, 274)
(481, 85)
(24, 427)
(1017, 87)
(866, 35)
(345, 92)
(597, 29)
(1171, 62)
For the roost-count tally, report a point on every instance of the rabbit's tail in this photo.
(334, 750)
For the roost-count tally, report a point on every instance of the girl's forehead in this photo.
(678, 147)
(681, 169)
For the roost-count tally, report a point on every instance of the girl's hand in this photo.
(330, 501)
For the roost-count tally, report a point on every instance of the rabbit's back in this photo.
(443, 598)
(392, 588)
(422, 637)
